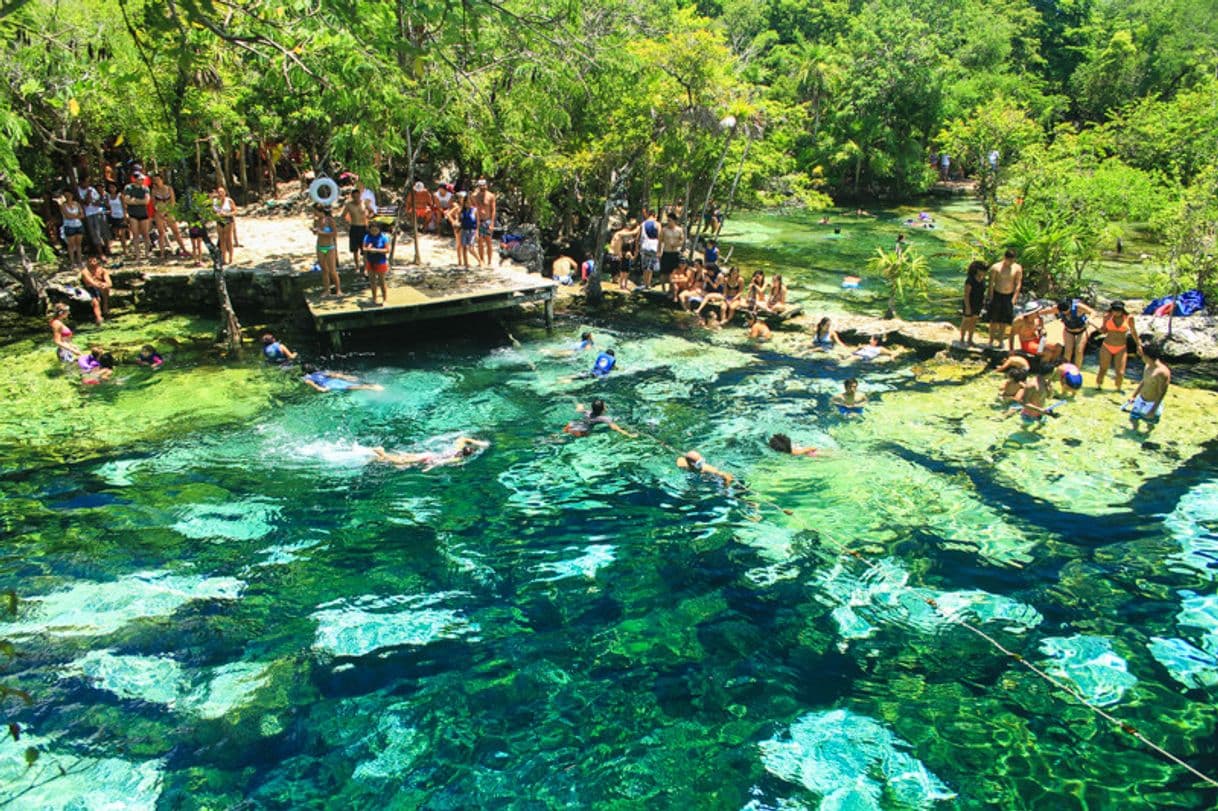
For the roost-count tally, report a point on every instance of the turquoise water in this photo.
(813, 259)
(247, 610)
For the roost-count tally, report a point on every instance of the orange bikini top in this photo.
(1109, 326)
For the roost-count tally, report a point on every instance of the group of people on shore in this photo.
(1040, 359)
(142, 212)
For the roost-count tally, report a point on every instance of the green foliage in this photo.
(1190, 229)
(906, 272)
(999, 127)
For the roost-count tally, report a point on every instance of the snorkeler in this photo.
(594, 415)
(782, 444)
(326, 381)
(693, 462)
(463, 448)
(850, 402)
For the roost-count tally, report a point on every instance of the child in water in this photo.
(850, 402)
(148, 357)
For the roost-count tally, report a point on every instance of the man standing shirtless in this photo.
(356, 212)
(619, 258)
(672, 240)
(1146, 404)
(1006, 279)
(484, 202)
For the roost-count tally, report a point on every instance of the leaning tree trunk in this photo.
(595, 294)
(33, 289)
(744, 156)
(229, 334)
(710, 192)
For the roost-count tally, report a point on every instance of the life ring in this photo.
(323, 191)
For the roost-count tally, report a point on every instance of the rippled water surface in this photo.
(224, 600)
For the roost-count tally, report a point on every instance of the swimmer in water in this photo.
(601, 367)
(96, 367)
(758, 330)
(782, 444)
(585, 343)
(463, 448)
(326, 381)
(276, 351)
(873, 349)
(148, 356)
(693, 462)
(594, 415)
(851, 401)
(826, 338)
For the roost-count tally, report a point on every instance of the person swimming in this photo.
(326, 381)
(463, 449)
(826, 337)
(148, 356)
(593, 416)
(604, 364)
(758, 330)
(782, 444)
(850, 401)
(694, 463)
(276, 351)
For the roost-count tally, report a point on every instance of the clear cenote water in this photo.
(223, 601)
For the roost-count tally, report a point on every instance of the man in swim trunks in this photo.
(850, 402)
(376, 256)
(1146, 404)
(356, 213)
(595, 415)
(672, 240)
(485, 201)
(758, 330)
(276, 351)
(463, 448)
(563, 269)
(619, 259)
(421, 202)
(1006, 280)
(326, 381)
(693, 462)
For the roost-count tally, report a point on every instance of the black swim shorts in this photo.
(1002, 308)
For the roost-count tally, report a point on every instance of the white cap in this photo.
(482, 181)
(418, 186)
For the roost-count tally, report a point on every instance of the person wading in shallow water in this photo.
(1006, 279)
(1118, 328)
(1146, 404)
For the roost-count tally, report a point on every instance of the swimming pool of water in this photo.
(223, 600)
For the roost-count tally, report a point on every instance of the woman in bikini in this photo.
(756, 294)
(61, 335)
(327, 250)
(826, 339)
(165, 215)
(73, 228)
(778, 295)
(1114, 351)
(226, 210)
(733, 289)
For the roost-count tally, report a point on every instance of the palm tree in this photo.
(906, 272)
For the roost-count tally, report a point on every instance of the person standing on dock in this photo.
(356, 213)
(484, 200)
(376, 254)
(974, 299)
(672, 240)
(1006, 279)
(325, 230)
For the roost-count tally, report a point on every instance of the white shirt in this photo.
(444, 197)
(116, 206)
(92, 201)
(368, 196)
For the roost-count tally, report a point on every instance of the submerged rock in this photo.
(1100, 675)
(852, 762)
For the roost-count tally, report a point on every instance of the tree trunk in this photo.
(241, 167)
(215, 159)
(273, 171)
(595, 294)
(33, 290)
(229, 333)
(731, 195)
(710, 192)
(412, 153)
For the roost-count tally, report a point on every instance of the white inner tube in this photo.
(324, 191)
